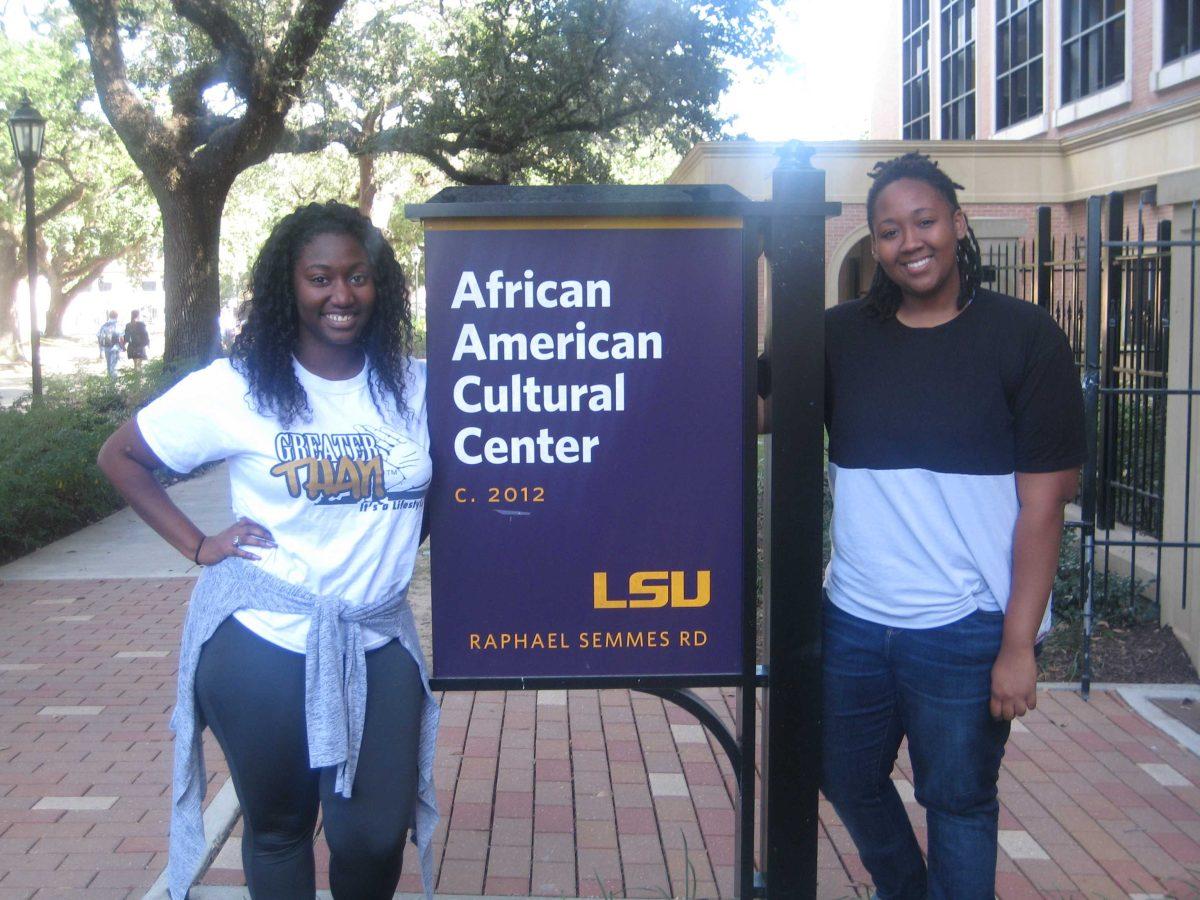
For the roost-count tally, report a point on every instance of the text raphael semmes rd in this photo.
(586, 640)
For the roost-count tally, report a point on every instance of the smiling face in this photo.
(915, 239)
(335, 297)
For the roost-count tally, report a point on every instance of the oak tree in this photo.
(485, 91)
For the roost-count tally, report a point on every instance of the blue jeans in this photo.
(111, 356)
(933, 685)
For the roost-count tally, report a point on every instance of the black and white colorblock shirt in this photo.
(927, 428)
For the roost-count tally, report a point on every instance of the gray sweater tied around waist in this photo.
(335, 694)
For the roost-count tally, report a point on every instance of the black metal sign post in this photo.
(791, 763)
(794, 222)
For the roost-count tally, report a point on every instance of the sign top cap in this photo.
(520, 201)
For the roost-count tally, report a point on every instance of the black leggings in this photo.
(251, 694)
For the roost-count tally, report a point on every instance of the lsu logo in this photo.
(652, 590)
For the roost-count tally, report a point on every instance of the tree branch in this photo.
(315, 138)
(84, 275)
(306, 30)
(239, 62)
(149, 142)
(187, 90)
(59, 206)
(485, 138)
(256, 135)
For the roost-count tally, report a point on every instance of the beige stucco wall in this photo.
(1181, 507)
(1128, 155)
(1135, 152)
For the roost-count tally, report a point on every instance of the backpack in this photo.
(109, 337)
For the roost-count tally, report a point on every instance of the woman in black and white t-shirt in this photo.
(300, 651)
(955, 424)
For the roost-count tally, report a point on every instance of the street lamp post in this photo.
(27, 130)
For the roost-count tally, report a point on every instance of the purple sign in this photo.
(585, 403)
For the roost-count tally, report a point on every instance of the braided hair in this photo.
(263, 349)
(883, 296)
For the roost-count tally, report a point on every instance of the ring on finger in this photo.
(237, 540)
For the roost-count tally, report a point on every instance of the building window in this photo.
(1093, 46)
(1181, 29)
(915, 92)
(1018, 61)
(958, 69)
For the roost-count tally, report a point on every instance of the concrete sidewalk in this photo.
(547, 794)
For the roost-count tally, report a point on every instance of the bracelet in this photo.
(196, 555)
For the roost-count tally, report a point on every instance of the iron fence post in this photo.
(1091, 398)
(1112, 347)
(1164, 293)
(1045, 253)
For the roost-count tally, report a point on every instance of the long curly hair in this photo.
(883, 296)
(262, 351)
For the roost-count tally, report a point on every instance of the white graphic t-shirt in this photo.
(342, 493)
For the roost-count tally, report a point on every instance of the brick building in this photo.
(1032, 103)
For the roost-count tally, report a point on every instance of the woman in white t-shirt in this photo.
(299, 650)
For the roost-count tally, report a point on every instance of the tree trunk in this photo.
(191, 244)
(65, 288)
(10, 341)
(55, 311)
(366, 184)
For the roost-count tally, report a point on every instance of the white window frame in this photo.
(1101, 101)
(1027, 128)
(930, 50)
(974, 90)
(1039, 124)
(935, 70)
(1176, 72)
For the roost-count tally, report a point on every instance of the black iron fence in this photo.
(1011, 268)
(1110, 292)
(1134, 375)
(1065, 275)
(1052, 271)
(1127, 392)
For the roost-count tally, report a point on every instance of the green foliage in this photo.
(1117, 600)
(91, 202)
(51, 485)
(419, 339)
(561, 90)
(1140, 460)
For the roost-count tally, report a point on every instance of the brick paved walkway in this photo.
(547, 794)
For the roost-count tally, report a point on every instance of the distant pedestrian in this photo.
(110, 341)
(136, 340)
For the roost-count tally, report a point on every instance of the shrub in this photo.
(50, 485)
(419, 339)
(1117, 600)
(1118, 603)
